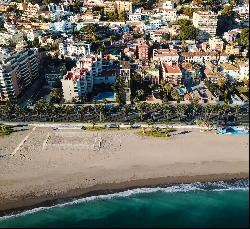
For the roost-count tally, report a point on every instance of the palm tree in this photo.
(166, 110)
(180, 110)
(40, 107)
(194, 106)
(237, 110)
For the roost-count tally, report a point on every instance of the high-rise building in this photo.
(18, 69)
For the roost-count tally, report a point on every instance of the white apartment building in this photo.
(69, 48)
(216, 44)
(54, 8)
(165, 55)
(74, 84)
(135, 17)
(244, 71)
(168, 5)
(155, 24)
(61, 26)
(201, 57)
(90, 70)
(170, 14)
(206, 23)
(156, 35)
(18, 69)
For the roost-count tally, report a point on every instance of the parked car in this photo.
(112, 125)
(135, 126)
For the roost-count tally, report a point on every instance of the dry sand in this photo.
(57, 164)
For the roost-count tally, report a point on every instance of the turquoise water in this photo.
(109, 96)
(233, 131)
(182, 91)
(217, 204)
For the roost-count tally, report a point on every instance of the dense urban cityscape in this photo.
(124, 61)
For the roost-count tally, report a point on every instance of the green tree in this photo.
(227, 10)
(244, 38)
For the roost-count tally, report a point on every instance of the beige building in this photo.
(18, 69)
(206, 23)
(171, 73)
(216, 44)
(123, 6)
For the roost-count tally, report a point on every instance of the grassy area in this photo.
(156, 133)
(96, 128)
(5, 130)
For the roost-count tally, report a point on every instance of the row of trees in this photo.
(145, 112)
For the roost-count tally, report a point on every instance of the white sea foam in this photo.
(208, 186)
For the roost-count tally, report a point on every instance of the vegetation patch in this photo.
(96, 128)
(155, 133)
(5, 130)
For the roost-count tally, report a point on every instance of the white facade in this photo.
(206, 23)
(134, 17)
(244, 71)
(69, 48)
(168, 5)
(74, 86)
(165, 55)
(216, 43)
(61, 26)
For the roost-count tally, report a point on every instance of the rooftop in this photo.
(76, 74)
(227, 66)
(165, 52)
(171, 68)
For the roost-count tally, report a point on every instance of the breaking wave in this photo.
(219, 186)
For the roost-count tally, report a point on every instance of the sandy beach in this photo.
(41, 166)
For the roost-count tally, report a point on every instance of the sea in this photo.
(212, 204)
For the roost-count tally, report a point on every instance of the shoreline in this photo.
(111, 188)
(41, 166)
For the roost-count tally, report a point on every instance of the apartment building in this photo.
(216, 44)
(109, 6)
(190, 73)
(231, 70)
(244, 71)
(201, 57)
(125, 71)
(143, 51)
(18, 69)
(90, 70)
(165, 55)
(168, 5)
(61, 26)
(206, 23)
(54, 74)
(170, 14)
(171, 73)
(156, 35)
(74, 84)
(124, 6)
(69, 48)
